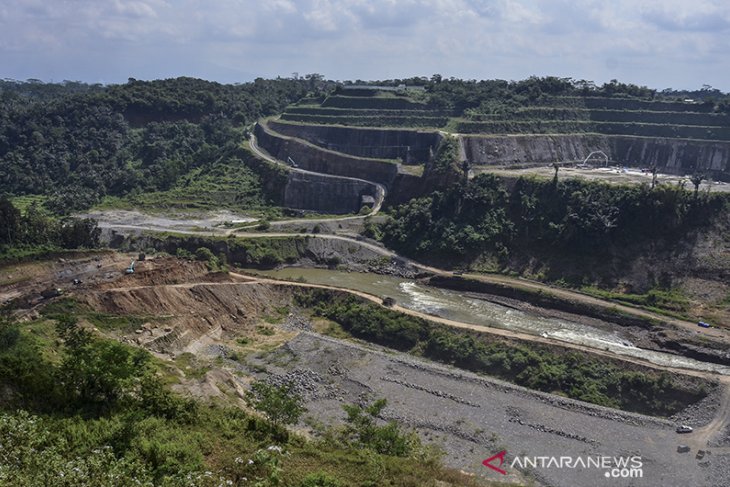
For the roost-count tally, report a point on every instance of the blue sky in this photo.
(667, 43)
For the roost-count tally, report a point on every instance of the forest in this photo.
(489, 215)
(77, 143)
(457, 95)
(35, 231)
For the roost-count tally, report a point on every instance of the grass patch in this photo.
(27, 252)
(265, 330)
(330, 328)
(23, 202)
(192, 366)
(103, 321)
(671, 303)
(230, 184)
(278, 314)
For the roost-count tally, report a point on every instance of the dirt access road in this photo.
(379, 196)
(509, 281)
(109, 220)
(480, 328)
(471, 416)
(609, 175)
(697, 440)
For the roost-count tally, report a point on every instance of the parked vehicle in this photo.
(684, 429)
(51, 292)
(703, 324)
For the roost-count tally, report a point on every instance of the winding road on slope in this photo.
(491, 278)
(379, 193)
(699, 439)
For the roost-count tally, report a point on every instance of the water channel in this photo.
(467, 308)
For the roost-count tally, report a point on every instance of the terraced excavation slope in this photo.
(675, 137)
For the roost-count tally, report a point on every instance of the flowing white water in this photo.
(457, 306)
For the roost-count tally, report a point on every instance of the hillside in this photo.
(76, 144)
(662, 247)
(677, 132)
(315, 284)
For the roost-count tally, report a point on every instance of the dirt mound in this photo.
(164, 271)
(181, 315)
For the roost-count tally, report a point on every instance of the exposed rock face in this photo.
(313, 158)
(327, 194)
(191, 312)
(674, 156)
(411, 146)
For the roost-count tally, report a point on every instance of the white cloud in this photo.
(678, 42)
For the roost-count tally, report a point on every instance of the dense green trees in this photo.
(460, 221)
(78, 143)
(572, 217)
(36, 229)
(492, 96)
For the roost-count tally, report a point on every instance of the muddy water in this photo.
(468, 309)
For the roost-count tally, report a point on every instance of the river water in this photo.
(465, 308)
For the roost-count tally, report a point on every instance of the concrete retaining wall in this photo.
(411, 146)
(326, 194)
(317, 159)
(673, 156)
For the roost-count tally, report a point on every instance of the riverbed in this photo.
(470, 309)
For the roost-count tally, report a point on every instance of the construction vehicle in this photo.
(51, 292)
(130, 269)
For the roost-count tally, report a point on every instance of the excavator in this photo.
(130, 269)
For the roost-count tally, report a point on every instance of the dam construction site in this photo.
(538, 285)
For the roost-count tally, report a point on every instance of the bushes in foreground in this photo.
(78, 410)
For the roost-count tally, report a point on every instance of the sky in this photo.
(659, 43)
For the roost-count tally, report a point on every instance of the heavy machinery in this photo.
(130, 269)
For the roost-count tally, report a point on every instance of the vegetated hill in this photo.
(533, 106)
(628, 238)
(78, 144)
(90, 411)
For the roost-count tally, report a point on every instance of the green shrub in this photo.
(386, 440)
(281, 404)
(320, 479)
(569, 373)
(204, 254)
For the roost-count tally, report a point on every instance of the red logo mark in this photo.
(500, 456)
